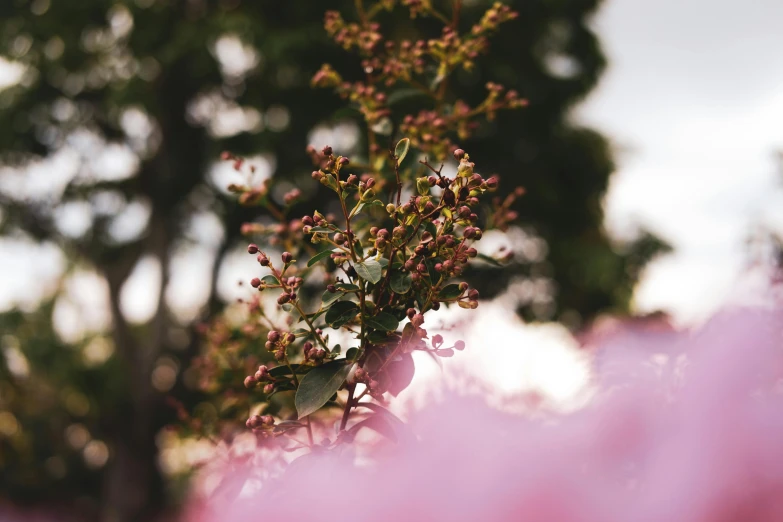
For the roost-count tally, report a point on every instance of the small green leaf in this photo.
(270, 280)
(383, 262)
(401, 150)
(319, 256)
(383, 321)
(340, 313)
(347, 287)
(319, 385)
(329, 181)
(491, 260)
(369, 270)
(351, 354)
(450, 292)
(287, 307)
(400, 282)
(357, 208)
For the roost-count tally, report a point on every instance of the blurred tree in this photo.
(119, 113)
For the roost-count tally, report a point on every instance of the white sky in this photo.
(694, 100)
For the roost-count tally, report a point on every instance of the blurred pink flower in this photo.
(698, 438)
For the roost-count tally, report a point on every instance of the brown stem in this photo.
(348, 406)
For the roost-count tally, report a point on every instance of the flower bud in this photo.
(283, 299)
(410, 312)
(339, 238)
(390, 208)
(326, 151)
(287, 257)
(331, 289)
(290, 337)
(370, 183)
(273, 336)
(255, 282)
(317, 175)
(269, 388)
(473, 294)
(458, 154)
(252, 248)
(492, 183)
(437, 340)
(280, 354)
(351, 180)
(417, 320)
(250, 381)
(344, 161)
(432, 180)
(269, 345)
(263, 260)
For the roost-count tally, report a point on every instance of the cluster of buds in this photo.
(363, 37)
(497, 14)
(260, 422)
(405, 255)
(371, 101)
(260, 377)
(277, 343)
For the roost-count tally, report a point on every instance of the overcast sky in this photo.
(694, 101)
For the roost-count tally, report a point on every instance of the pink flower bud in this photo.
(273, 336)
(287, 257)
(458, 154)
(417, 320)
(252, 248)
(250, 381)
(263, 260)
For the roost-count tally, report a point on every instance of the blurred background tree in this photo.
(108, 158)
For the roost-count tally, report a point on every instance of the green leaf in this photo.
(450, 292)
(270, 280)
(347, 287)
(319, 385)
(383, 321)
(491, 260)
(351, 354)
(400, 282)
(401, 150)
(329, 297)
(370, 270)
(404, 94)
(319, 256)
(340, 313)
(284, 370)
(383, 262)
